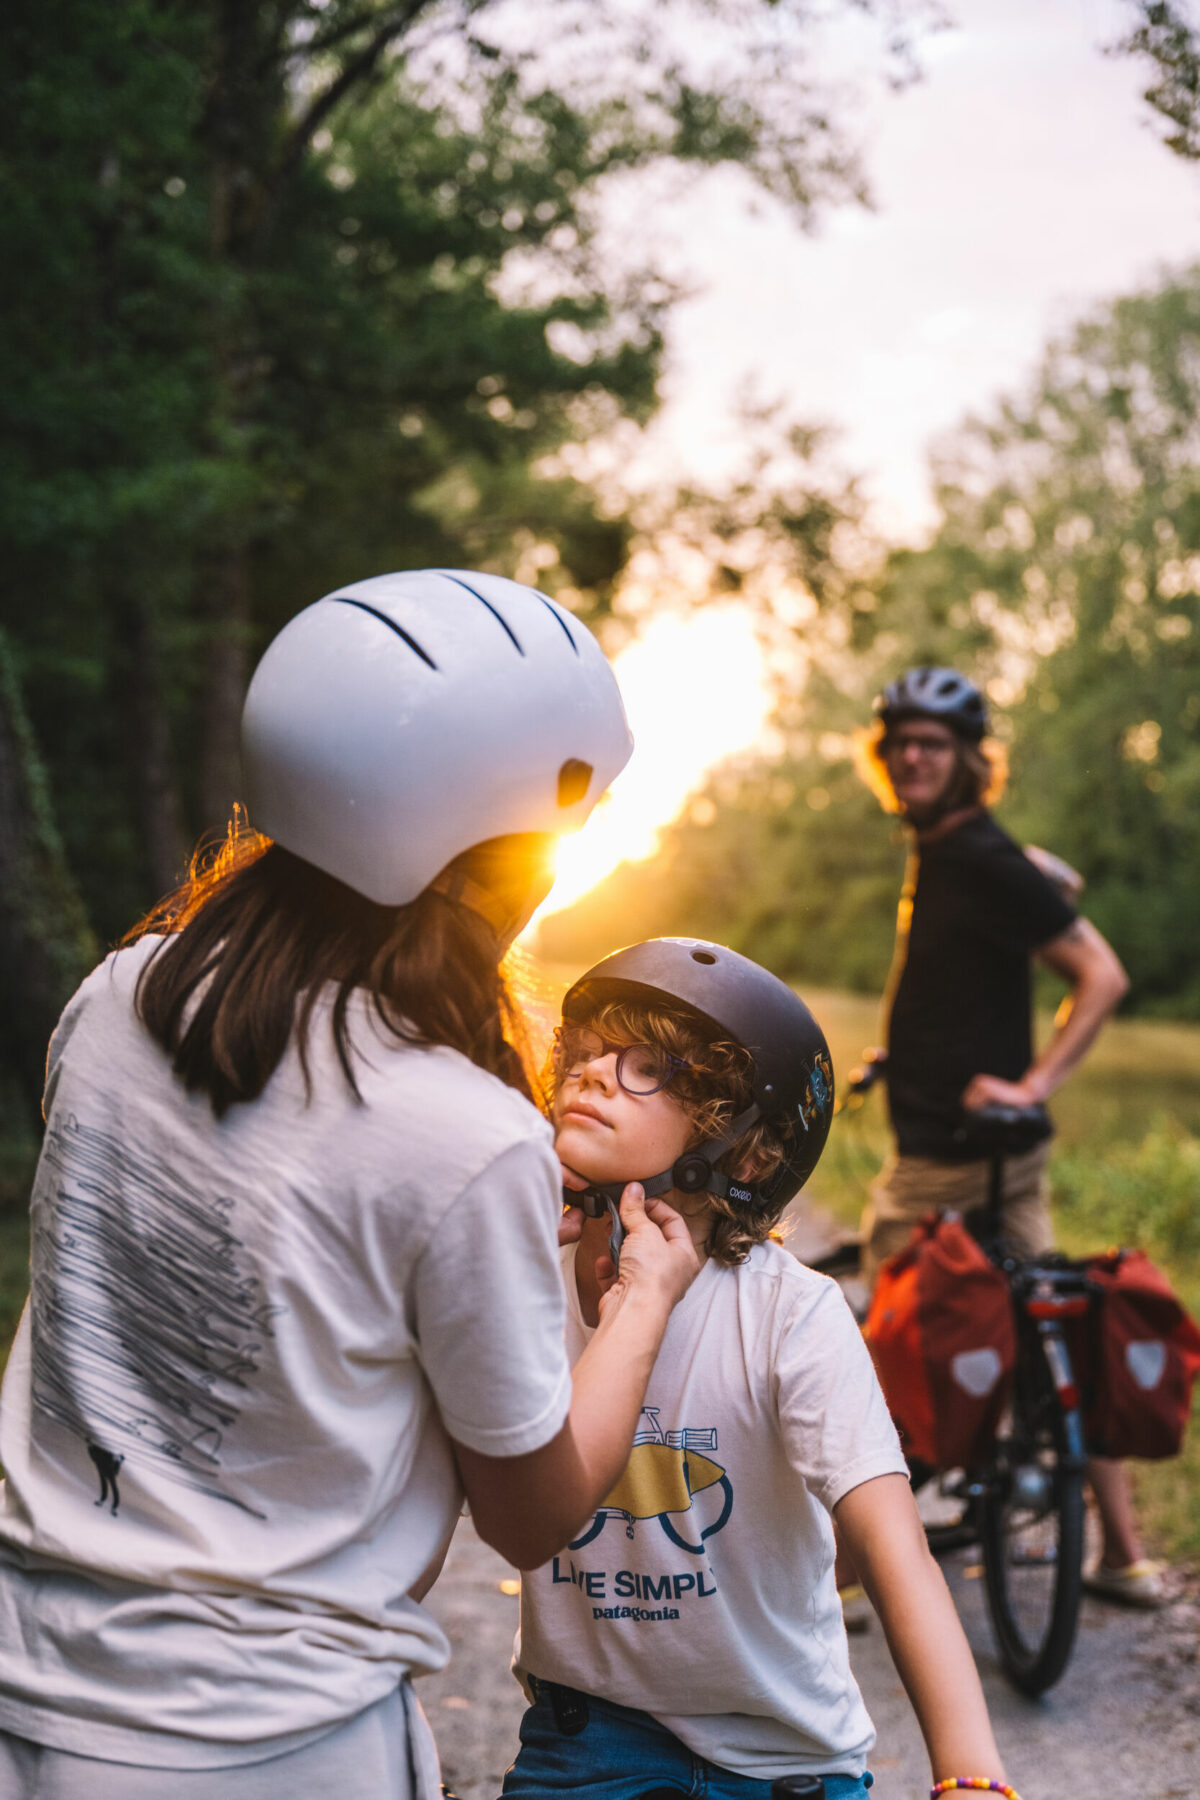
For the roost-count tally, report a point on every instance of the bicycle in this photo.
(1024, 1505)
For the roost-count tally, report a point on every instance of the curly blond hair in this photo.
(713, 1089)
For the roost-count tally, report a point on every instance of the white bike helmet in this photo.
(401, 720)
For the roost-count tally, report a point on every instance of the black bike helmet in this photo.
(792, 1076)
(941, 694)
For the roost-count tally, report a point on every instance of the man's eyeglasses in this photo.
(642, 1069)
(924, 746)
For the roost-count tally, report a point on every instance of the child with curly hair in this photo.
(690, 1636)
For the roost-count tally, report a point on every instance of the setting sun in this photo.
(695, 692)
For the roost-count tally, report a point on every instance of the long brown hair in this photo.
(255, 936)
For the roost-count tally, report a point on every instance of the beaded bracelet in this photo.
(973, 1781)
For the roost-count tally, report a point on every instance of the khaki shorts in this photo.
(908, 1187)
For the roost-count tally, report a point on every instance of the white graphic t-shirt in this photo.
(224, 1422)
(703, 1591)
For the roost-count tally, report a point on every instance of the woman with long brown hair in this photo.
(294, 1278)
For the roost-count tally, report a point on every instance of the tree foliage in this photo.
(1166, 37)
(304, 289)
(1072, 525)
(45, 945)
(783, 855)
(1065, 576)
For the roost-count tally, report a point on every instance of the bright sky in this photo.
(1018, 184)
(695, 692)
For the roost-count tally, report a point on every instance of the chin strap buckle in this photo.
(692, 1174)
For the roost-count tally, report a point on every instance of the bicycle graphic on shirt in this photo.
(666, 1472)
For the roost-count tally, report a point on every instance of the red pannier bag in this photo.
(1137, 1353)
(941, 1334)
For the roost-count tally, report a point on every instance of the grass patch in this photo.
(1145, 1193)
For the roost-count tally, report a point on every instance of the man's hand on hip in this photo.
(990, 1090)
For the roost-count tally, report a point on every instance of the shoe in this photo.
(856, 1608)
(1141, 1584)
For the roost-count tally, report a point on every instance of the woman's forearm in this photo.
(528, 1507)
(609, 1384)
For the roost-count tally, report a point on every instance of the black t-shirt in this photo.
(962, 1005)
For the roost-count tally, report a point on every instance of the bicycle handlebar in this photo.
(864, 1075)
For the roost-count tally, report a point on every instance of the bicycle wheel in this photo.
(1031, 1528)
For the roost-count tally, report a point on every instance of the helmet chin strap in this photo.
(691, 1173)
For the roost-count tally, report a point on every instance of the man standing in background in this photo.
(975, 912)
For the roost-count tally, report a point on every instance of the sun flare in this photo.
(696, 692)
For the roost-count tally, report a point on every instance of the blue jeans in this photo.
(574, 1744)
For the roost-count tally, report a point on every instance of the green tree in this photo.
(782, 856)
(1067, 573)
(104, 380)
(45, 944)
(1065, 576)
(272, 319)
(311, 288)
(1166, 37)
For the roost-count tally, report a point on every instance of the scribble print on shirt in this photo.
(148, 1319)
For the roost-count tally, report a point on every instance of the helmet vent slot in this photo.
(556, 615)
(573, 780)
(345, 600)
(703, 956)
(497, 615)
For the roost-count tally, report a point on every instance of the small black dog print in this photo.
(106, 1467)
